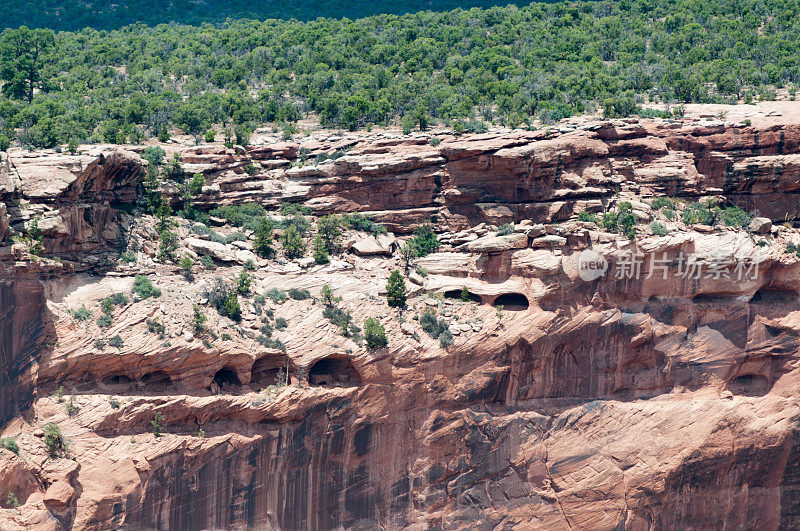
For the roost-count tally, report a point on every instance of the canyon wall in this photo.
(619, 402)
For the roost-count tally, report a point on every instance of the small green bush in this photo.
(144, 288)
(374, 333)
(198, 319)
(128, 257)
(11, 500)
(271, 343)
(247, 215)
(396, 290)
(299, 294)
(734, 216)
(53, 440)
(339, 317)
(243, 282)
(154, 154)
(363, 223)
(699, 213)
(663, 202)
(107, 305)
(157, 423)
(207, 262)
(328, 298)
(231, 307)
(505, 229)
(329, 230)
(609, 220)
(262, 244)
(293, 209)
(104, 321)
(298, 222)
(587, 216)
(292, 243)
(658, 228)
(154, 327)
(276, 294)
(424, 241)
(197, 183)
(445, 339)
(72, 408)
(224, 299)
(280, 323)
(168, 244)
(116, 342)
(320, 254)
(258, 304)
(431, 325)
(9, 444)
(186, 264)
(81, 314)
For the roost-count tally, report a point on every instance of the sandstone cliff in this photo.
(626, 401)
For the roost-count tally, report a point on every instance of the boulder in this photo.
(496, 244)
(548, 242)
(760, 226)
(244, 257)
(217, 251)
(372, 246)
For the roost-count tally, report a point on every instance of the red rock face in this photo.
(614, 403)
(22, 333)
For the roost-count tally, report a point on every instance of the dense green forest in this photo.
(461, 67)
(113, 14)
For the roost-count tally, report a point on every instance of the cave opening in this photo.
(749, 385)
(269, 370)
(512, 301)
(712, 298)
(773, 295)
(156, 381)
(227, 379)
(117, 382)
(334, 372)
(458, 294)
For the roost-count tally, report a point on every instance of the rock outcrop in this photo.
(660, 391)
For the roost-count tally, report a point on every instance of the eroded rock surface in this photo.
(641, 401)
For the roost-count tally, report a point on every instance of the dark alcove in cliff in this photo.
(334, 372)
(774, 295)
(512, 301)
(117, 383)
(227, 380)
(156, 382)
(267, 371)
(750, 385)
(458, 294)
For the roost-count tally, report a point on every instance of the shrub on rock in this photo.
(396, 290)
(374, 333)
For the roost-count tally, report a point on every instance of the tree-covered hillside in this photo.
(113, 14)
(502, 64)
